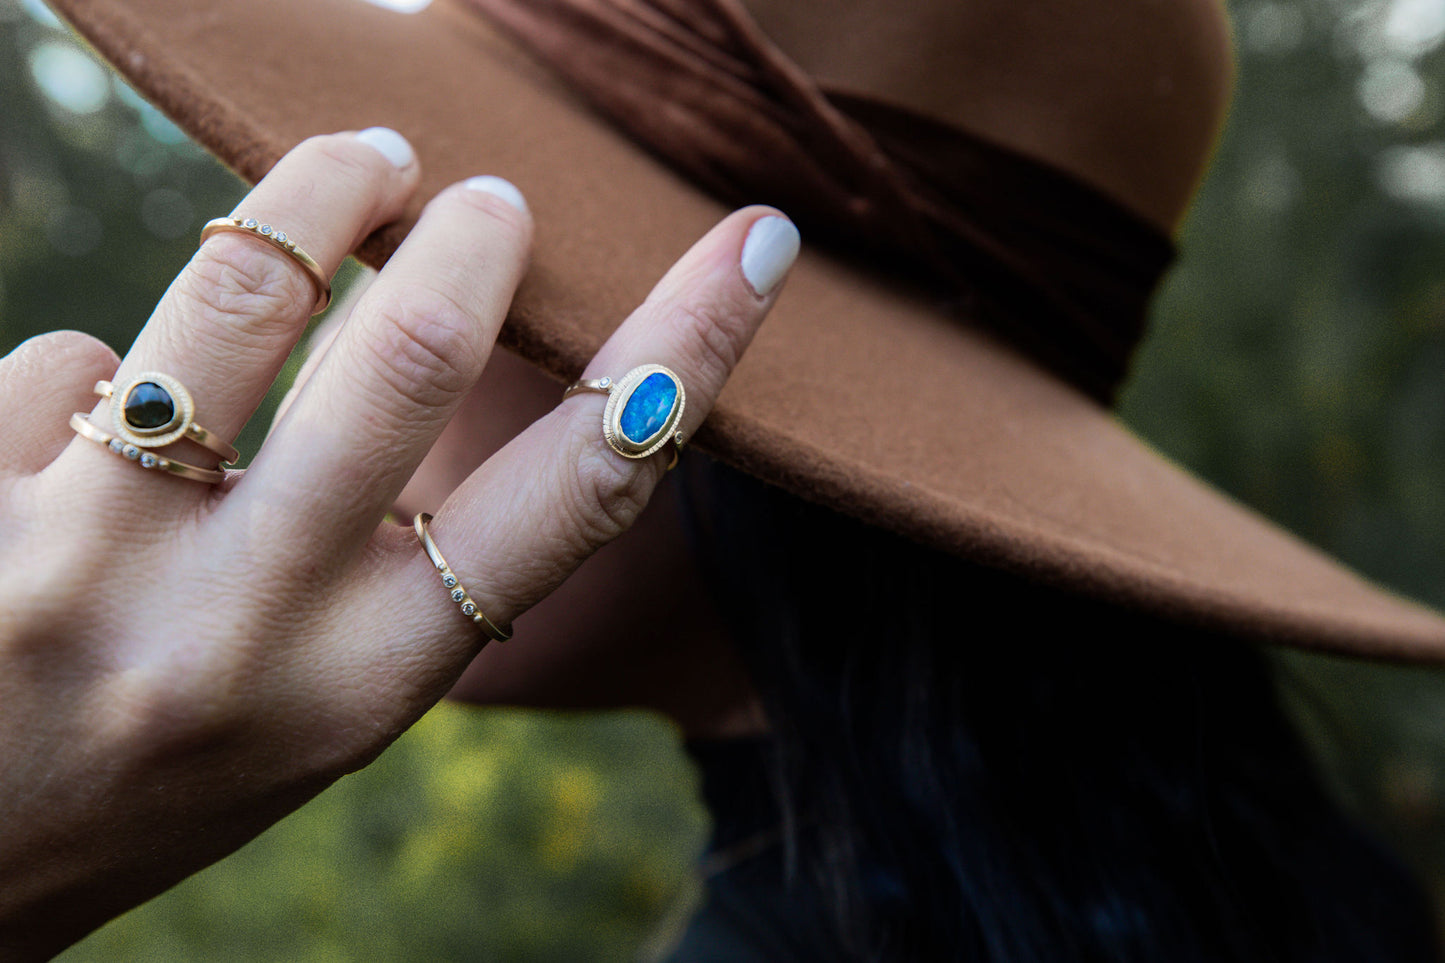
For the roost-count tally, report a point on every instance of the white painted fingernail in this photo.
(770, 249)
(505, 189)
(389, 144)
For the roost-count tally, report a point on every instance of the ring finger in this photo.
(233, 314)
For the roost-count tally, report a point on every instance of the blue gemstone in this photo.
(648, 408)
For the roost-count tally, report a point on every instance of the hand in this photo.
(182, 664)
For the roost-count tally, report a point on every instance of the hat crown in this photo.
(1126, 95)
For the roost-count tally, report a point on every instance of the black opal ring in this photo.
(155, 410)
(455, 592)
(644, 408)
(279, 240)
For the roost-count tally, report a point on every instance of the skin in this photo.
(181, 664)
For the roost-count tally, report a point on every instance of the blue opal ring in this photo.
(644, 408)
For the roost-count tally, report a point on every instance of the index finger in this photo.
(543, 504)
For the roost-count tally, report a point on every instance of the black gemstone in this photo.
(149, 406)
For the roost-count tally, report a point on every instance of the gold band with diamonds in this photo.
(145, 459)
(454, 588)
(660, 429)
(280, 241)
(182, 409)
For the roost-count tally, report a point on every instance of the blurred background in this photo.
(1297, 360)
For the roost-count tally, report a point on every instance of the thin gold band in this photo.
(282, 243)
(201, 436)
(601, 386)
(454, 588)
(145, 459)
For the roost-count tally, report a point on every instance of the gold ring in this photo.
(280, 241)
(454, 588)
(644, 408)
(155, 410)
(145, 459)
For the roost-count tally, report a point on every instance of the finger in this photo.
(233, 314)
(387, 385)
(322, 337)
(48, 378)
(534, 511)
(511, 395)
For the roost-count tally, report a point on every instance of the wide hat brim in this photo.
(858, 393)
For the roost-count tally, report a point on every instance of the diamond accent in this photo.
(458, 595)
(116, 445)
(131, 452)
(281, 236)
(450, 581)
(148, 460)
(468, 608)
(250, 223)
(605, 383)
(265, 230)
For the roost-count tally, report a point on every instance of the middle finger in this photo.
(387, 384)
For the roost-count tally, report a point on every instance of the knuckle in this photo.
(343, 156)
(503, 233)
(709, 343)
(155, 712)
(423, 344)
(62, 348)
(511, 219)
(606, 492)
(237, 281)
(173, 700)
(35, 361)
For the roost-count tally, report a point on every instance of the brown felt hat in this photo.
(865, 390)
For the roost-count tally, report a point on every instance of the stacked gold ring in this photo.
(454, 588)
(146, 459)
(182, 422)
(280, 241)
(154, 410)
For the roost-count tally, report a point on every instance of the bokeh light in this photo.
(69, 78)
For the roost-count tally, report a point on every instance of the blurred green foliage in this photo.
(1297, 360)
(479, 836)
(1297, 354)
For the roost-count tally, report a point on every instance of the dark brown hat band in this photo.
(1043, 261)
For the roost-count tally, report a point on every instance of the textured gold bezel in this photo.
(617, 399)
(169, 433)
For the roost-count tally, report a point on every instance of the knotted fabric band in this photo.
(1042, 260)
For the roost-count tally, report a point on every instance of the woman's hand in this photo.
(182, 664)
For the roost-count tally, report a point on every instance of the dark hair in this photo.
(974, 768)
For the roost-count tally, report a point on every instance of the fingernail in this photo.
(505, 189)
(389, 144)
(770, 249)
